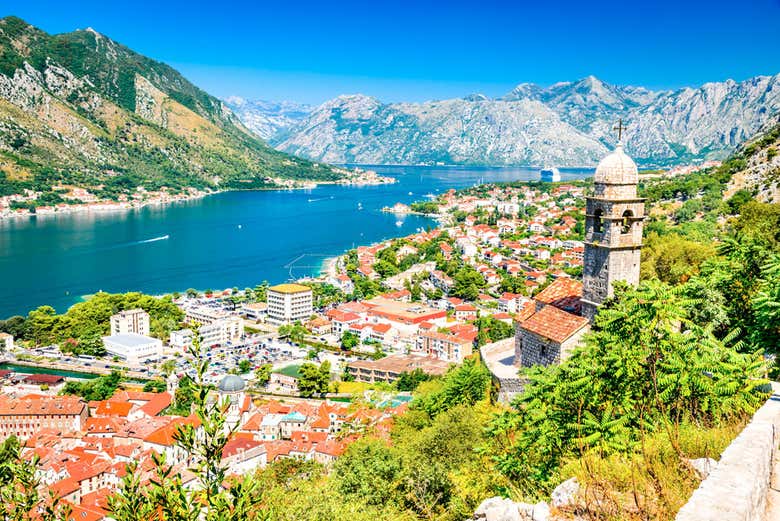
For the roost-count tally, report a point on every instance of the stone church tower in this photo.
(613, 230)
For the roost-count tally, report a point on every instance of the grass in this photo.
(290, 370)
(652, 482)
(354, 387)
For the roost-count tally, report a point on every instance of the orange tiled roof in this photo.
(564, 293)
(554, 324)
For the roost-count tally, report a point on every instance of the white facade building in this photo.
(133, 348)
(6, 342)
(221, 332)
(289, 303)
(130, 321)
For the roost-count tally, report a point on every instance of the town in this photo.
(413, 305)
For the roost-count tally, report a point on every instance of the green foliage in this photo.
(492, 330)
(293, 332)
(263, 374)
(468, 283)
(314, 380)
(89, 320)
(409, 381)
(155, 386)
(464, 385)
(244, 366)
(646, 367)
(101, 388)
(673, 258)
(349, 340)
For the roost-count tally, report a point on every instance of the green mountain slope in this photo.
(81, 109)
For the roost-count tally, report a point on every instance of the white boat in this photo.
(399, 223)
(360, 206)
(550, 175)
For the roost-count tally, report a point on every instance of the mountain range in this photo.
(79, 108)
(566, 124)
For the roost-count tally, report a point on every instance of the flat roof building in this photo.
(389, 368)
(289, 303)
(133, 348)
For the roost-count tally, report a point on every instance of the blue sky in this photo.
(416, 50)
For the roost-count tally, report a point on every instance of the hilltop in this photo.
(81, 109)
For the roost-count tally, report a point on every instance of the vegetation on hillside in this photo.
(80, 329)
(122, 121)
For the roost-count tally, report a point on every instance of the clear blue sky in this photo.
(310, 51)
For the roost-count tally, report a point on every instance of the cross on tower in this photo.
(620, 128)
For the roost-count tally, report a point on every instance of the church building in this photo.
(549, 331)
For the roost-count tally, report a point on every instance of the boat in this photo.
(399, 223)
(410, 193)
(550, 175)
(360, 206)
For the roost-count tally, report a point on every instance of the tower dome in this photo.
(232, 384)
(617, 168)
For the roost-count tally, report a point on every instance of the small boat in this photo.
(399, 223)
(239, 226)
(410, 193)
(360, 206)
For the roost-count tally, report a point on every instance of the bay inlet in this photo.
(231, 239)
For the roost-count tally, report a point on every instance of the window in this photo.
(626, 222)
(598, 223)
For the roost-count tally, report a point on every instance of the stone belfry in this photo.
(613, 229)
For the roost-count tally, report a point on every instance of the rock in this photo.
(565, 494)
(498, 509)
(703, 466)
(541, 512)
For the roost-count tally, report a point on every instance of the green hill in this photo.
(81, 109)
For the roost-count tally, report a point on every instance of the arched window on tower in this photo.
(598, 223)
(625, 225)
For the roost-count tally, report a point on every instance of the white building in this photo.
(130, 321)
(6, 342)
(133, 348)
(221, 332)
(180, 340)
(289, 303)
(255, 311)
(204, 314)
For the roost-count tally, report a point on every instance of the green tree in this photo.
(244, 366)
(349, 340)
(263, 374)
(313, 379)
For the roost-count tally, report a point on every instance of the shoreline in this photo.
(108, 206)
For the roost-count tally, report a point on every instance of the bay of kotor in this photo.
(230, 239)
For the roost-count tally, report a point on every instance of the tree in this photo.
(468, 282)
(349, 340)
(314, 380)
(293, 332)
(263, 374)
(408, 381)
(244, 366)
(155, 386)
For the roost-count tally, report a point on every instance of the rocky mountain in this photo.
(759, 159)
(267, 118)
(82, 109)
(566, 124)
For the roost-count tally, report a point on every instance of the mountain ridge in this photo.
(664, 126)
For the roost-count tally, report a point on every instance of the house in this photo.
(465, 312)
(548, 336)
(341, 320)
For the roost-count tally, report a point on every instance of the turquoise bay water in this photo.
(229, 239)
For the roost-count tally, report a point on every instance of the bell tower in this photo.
(613, 229)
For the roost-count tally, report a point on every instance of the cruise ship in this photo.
(550, 175)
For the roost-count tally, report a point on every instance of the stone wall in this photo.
(737, 489)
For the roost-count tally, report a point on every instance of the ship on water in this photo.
(550, 175)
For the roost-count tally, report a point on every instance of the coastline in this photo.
(107, 206)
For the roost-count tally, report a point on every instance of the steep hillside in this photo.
(760, 172)
(82, 109)
(567, 124)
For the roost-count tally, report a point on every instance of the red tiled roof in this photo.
(554, 324)
(564, 293)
